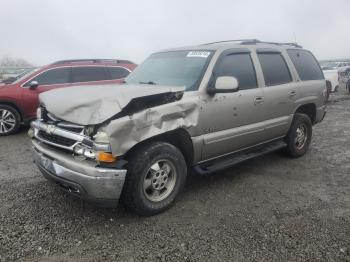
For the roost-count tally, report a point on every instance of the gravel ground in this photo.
(270, 208)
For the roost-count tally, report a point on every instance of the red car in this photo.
(19, 100)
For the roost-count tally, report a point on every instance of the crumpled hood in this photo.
(91, 105)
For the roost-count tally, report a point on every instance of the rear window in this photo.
(305, 64)
(274, 68)
(87, 74)
(118, 72)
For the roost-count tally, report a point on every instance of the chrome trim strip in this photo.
(37, 136)
(52, 129)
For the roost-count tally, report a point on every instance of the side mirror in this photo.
(225, 84)
(33, 85)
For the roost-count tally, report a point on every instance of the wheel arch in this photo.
(14, 105)
(179, 138)
(308, 109)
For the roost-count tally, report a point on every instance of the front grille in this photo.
(72, 129)
(63, 141)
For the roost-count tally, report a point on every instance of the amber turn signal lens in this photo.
(106, 157)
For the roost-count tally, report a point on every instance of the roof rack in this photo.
(254, 42)
(226, 41)
(117, 61)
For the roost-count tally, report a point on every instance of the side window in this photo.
(305, 64)
(53, 76)
(274, 68)
(118, 72)
(239, 66)
(88, 73)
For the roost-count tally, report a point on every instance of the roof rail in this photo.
(253, 42)
(117, 61)
(226, 41)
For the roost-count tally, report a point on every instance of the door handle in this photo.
(258, 100)
(293, 93)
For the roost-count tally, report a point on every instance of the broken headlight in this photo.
(101, 138)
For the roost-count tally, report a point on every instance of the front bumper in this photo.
(79, 177)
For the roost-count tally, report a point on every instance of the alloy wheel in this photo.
(160, 180)
(301, 136)
(7, 121)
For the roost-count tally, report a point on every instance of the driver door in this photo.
(233, 121)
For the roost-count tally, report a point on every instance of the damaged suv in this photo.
(205, 107)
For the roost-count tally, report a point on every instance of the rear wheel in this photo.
(299, 136)
(156, 174)
(10, 120)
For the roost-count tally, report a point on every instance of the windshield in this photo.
(25, 74)
(177, 68)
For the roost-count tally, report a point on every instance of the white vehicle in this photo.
(332, 76)
(336, 65)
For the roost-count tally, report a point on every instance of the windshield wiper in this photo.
(148, 83)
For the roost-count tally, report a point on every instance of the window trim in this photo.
(47, 70)
(233, 51)
(70, 74)
(285, 62)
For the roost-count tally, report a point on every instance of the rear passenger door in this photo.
(279, 92)
(232, 121)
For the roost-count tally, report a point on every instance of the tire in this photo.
(10, 120)
(298, 147)
(147, 169)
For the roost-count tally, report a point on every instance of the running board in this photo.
(236, 158)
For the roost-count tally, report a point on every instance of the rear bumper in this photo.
(79, 177)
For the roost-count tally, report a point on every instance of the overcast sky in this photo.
(42, 31)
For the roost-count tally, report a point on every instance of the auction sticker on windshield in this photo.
(198, 54)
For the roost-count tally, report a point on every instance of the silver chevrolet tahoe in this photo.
(205, 108)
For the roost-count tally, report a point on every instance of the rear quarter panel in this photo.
(310, 92)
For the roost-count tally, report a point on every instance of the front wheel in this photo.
(299, 136)
(10, 120)
(156, 174)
